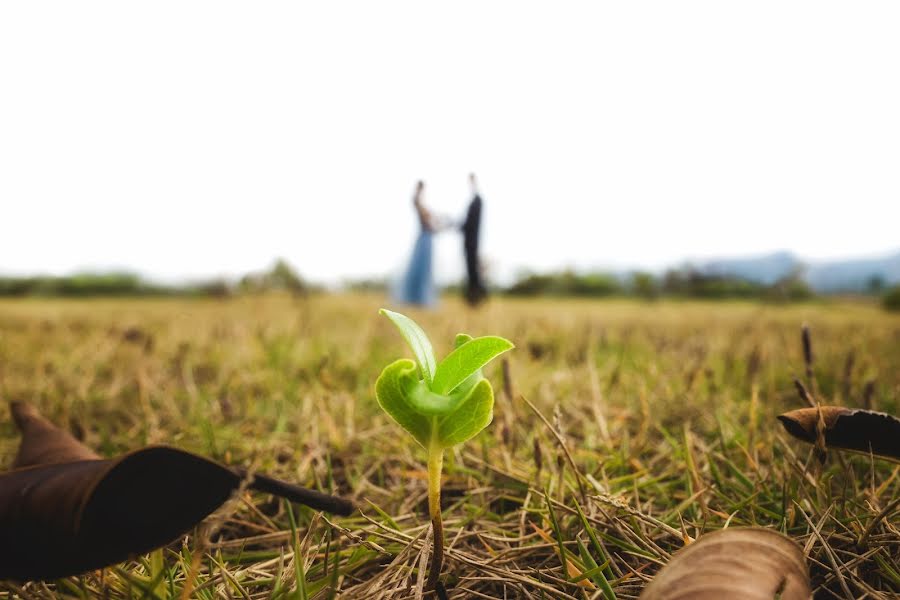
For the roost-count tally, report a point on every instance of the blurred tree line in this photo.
(680, 283)
(82, 284)
(280, 277)
(684, 282)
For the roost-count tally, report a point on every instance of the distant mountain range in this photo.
(851, 275)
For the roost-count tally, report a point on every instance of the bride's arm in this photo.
(425, 217)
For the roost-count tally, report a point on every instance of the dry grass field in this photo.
(666, 409)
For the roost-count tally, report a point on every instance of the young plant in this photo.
(440, 405)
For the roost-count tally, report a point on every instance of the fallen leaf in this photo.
(856, 430)
(65, 511)
(738, 564)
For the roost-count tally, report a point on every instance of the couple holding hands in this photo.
(417, 286)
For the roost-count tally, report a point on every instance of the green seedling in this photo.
(440, 405)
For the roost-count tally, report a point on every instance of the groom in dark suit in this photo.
(475, 290)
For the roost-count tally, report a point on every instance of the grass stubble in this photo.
(622, 430)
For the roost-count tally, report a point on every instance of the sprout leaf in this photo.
(474, 414)
(467, 360)
(450, 403)
(417, 340)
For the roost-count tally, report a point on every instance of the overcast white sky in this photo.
(182, 139)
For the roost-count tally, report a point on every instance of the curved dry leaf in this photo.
(77, 512)
(738, 564)
(856, 430)
(68, 518)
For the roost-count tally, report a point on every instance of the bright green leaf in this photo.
(392, 392)
(418, 342)
(467, 360)
(475, 413)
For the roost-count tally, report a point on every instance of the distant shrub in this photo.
(281, 277)
(89, 284)
(790, 288)
(591, 284)
(566, 283)
(875, 285)
(214, 288)
(531, 285)
(379, 285)
(644, 285)
(694, 284)
(891, 300)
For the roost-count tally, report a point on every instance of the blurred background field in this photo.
(667, 408)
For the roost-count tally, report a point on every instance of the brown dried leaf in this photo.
(738, 564)
(73, 517)
(856, 430)
(65, 511)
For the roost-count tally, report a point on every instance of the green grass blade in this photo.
(595, 544)
(595, 572)
(557, 532)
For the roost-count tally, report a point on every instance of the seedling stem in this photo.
(435, 465)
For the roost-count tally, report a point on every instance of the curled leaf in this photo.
(738, 564)
(392, 392)
(455, 403)
(856, 430)
(451, 419)
(64, 511)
